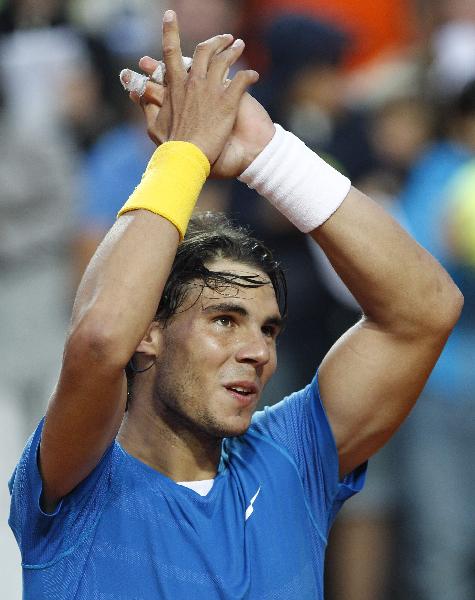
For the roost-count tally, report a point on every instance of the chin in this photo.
(235, 429)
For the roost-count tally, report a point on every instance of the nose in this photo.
(254, 349)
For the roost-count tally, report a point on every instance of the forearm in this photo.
(398, 284)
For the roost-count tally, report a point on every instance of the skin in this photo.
(181, 408)
(369, 380)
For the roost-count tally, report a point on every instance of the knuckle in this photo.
(223, 57)
(193, 80)
(169, 50)
(201, 47)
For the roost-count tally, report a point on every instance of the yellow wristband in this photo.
(171, 183)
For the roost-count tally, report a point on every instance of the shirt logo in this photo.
(250, 508)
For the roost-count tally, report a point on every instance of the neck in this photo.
(159, 440)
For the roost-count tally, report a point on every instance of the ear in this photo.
(152, 341)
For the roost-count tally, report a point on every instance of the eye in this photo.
(269, 331)
(224, 320)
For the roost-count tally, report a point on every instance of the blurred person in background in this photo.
(305, 88)
(440, 434)
(400, 130)
(126, 27)
(378, 29)
(36, 39)
(43, 61)
(461, 219)
(200, 20)
(424, 195)
(69, 73)
(36, 208)
(364, 559)
(451, 46)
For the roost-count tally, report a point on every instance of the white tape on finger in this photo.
(158, 76)
(136, 82)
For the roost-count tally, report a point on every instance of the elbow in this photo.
(452, 306)
(432, 314)
(457, 304)
(91, 344)
(446, 311)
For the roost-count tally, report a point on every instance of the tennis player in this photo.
(177, 490)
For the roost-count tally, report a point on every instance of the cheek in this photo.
(196, 355)
(271, 366)
(214, 345)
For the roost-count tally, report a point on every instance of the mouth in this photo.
(245, 392)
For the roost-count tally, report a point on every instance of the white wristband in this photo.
(300, 184)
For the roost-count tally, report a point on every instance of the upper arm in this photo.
(82, 419)
(369, 381)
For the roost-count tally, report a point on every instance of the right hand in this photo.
(199, 106)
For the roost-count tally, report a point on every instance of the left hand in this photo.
(252, 130)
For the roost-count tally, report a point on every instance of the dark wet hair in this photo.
(212, 236)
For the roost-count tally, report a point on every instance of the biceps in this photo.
(369, 381)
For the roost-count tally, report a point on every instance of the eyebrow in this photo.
(230, 307)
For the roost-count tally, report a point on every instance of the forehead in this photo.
(233, 266)
(263, 295)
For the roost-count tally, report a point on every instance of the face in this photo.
(217, 354)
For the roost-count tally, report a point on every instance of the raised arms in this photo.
(373, 375)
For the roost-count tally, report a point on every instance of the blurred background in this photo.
(383, 90)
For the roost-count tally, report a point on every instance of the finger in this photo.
(148, 64)
(171, 48)
(156, 69)
(135, 98)
(140, 86)
(154, 93)
(205, 51)
(220, 64)
(239, 84)
(133, 82)
(151, 112)
(158, 74)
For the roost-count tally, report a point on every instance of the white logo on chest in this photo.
(250, 508)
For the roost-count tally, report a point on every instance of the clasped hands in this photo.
(202, 106)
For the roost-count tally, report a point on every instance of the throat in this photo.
(171, 454)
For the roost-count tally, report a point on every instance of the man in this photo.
(101, 503)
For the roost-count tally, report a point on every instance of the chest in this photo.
(251, 537)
